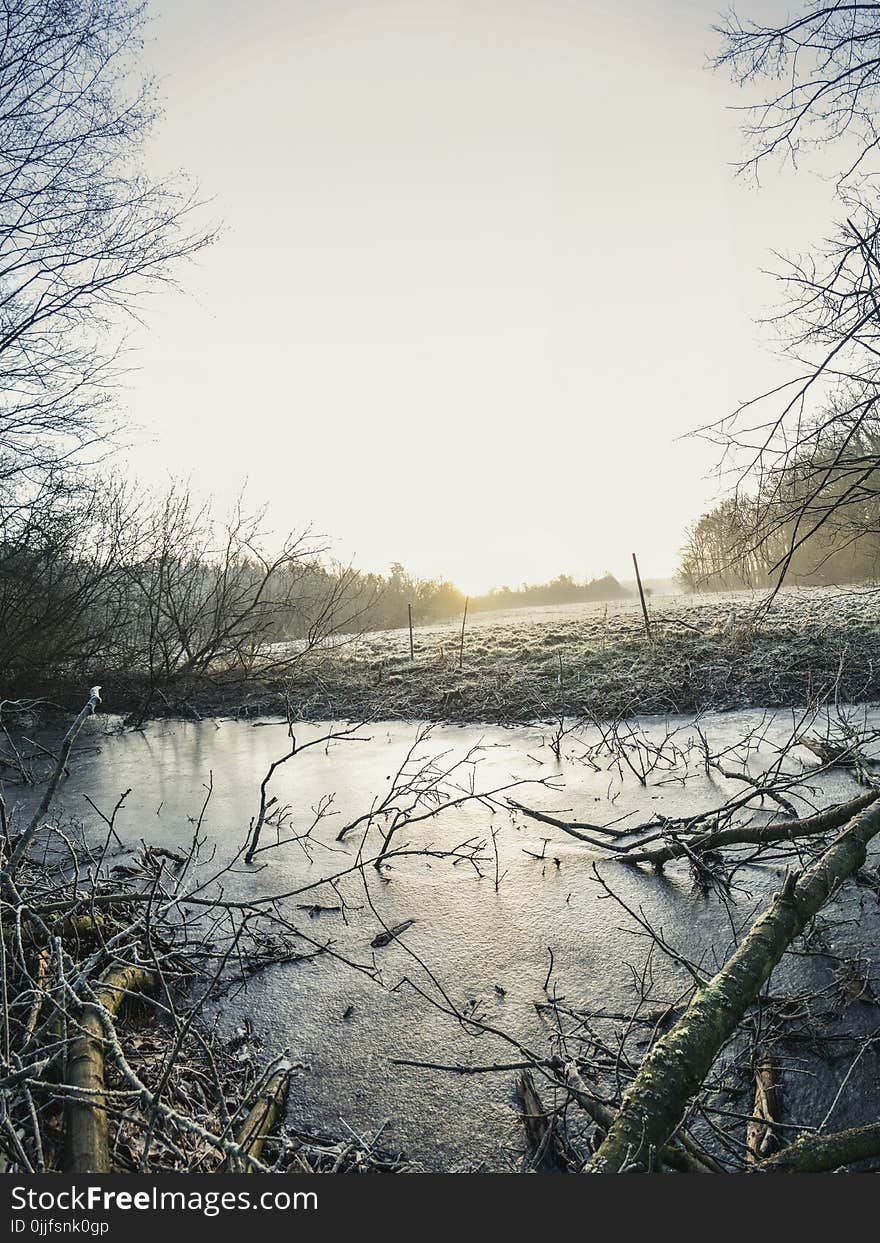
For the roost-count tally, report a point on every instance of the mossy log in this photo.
(817, 1154)
(86, 1143)
(266, 1112)
(682, 1154)
(674, 1070)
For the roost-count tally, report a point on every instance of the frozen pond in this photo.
(481, 935)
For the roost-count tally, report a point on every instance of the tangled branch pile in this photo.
(107, 969)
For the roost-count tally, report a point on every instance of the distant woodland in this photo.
(814, 518)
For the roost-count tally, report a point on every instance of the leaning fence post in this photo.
(642, 598)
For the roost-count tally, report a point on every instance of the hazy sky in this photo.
(483, 263)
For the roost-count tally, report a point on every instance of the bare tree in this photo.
(84, 232)
(62, 595)
(220, 597)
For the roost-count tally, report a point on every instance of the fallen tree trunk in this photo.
(674, 1070)
(754, 834)
(682, 1154)
(816, 1154)
(86, 1145)
(267, 1110)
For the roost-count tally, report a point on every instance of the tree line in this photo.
(814, 517)
(96, 580)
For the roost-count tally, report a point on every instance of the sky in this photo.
(483, 266)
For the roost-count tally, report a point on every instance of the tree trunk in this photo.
(753, 834)
(673, 1071)
(86, 1146)
(816, 1154)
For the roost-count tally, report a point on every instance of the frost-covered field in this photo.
(530, 664)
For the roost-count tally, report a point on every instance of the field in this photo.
(524, 665)
(706, 653)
